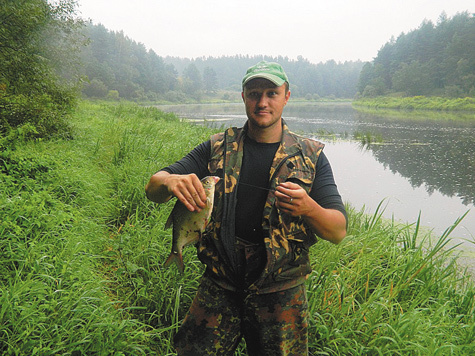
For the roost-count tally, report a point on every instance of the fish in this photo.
(188, 225)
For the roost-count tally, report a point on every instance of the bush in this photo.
(41, 111)
(175, 97)
(39, 42)
(95, 89)
(113, 95)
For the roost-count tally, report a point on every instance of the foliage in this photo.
(115, 62)
(387, 290)
(82, 250)
(322, 79)
(210, 80)
(38, 47)
(112, 61)
(417, 103)
(434, 60)
(192, 81)
(54, 202)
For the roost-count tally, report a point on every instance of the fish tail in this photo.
(176, 258)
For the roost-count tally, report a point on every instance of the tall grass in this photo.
(388, 291)
(81, 255)
(417, 103)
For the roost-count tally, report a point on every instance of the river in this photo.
(423, 165)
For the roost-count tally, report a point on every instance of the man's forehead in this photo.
(259, 83)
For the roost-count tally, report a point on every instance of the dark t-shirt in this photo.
(254, 182)
(253, 188)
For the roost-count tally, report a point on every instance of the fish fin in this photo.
(174, 212)
(176, 258)
(169, 221)
(170, 217)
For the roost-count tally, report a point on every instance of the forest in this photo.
(50, 57)
(433, 60)
(117, 65)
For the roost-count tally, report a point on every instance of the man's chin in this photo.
(262, 122)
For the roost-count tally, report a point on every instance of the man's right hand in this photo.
(187, 188)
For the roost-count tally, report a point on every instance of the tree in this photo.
(210, 80)
(366, 76)
(192, 81)
(466, 76)
(96, 89)
(38, 40)
(125, 65)
(431, 60)
(412, 79)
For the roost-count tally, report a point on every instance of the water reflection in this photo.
(439, 155)
(364, 182)
(434, 156)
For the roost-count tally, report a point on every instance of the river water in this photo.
(423, 165)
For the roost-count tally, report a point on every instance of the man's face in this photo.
(264, 103)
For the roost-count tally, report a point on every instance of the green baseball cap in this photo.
(268, 70)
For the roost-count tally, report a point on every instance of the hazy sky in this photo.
(318, 30)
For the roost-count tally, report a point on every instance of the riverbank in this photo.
(82, 253)
(417, 103)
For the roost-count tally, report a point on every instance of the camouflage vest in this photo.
(287, 239)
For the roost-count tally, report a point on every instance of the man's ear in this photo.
(287, 97)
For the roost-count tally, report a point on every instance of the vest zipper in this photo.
(270, 263)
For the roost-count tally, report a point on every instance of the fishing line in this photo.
(256, 186)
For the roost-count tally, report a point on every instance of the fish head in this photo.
(209, 182)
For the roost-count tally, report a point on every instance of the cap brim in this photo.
(273, 78)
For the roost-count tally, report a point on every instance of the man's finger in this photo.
(199, 193)
(188, 202)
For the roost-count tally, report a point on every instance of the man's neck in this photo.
(265, 135)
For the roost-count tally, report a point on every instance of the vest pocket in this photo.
(207, 252)
(295, 263)
(302, 178)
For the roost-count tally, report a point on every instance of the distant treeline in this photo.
(117, 65)
(49, 57)
(434, 60)
(329, 79)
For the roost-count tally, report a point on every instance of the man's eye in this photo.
(272, 93)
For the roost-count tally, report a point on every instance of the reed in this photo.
(82, 250)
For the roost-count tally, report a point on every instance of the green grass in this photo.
(82, 249)
(416, 104)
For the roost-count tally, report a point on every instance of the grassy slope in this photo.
(417, 103)
(82, 250)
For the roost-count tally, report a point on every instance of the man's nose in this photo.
(262, 102)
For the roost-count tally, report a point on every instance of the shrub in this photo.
(41, 111)
(39, 44)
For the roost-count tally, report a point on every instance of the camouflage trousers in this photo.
(271, 324)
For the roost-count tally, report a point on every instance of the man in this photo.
(275, 194)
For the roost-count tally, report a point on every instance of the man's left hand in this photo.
(329, 224)
(292, 199)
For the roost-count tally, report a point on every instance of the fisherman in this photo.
(275, 194)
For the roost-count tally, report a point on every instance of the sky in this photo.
(317, 30)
